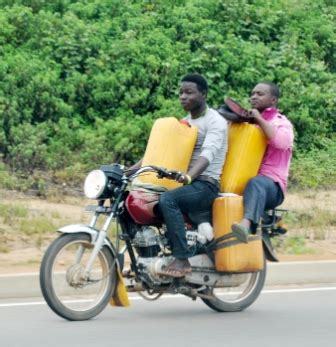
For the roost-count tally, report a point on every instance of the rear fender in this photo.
(82, 228)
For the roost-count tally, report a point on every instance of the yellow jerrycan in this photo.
(170, 145)
(234, 256)
(246, 148)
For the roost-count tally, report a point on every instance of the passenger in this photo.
(267, 189)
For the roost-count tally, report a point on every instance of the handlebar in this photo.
(164, 173)
(161, 172)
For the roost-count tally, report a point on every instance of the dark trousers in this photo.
(261, 193)
(193, 198)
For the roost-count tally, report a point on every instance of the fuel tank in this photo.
(142, 206)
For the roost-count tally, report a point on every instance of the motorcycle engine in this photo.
(149, 268)
(149, 244)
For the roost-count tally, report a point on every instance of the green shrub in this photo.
(315, 168)
(82, 81)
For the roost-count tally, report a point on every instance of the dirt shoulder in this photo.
(22, 248)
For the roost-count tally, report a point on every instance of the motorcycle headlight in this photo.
(95, 184)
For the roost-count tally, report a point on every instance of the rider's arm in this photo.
(212, 145)
(133, 168)
(201, 164)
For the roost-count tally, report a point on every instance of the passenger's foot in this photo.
(240, 232)
(177, 269)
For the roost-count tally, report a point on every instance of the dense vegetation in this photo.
(82, 81)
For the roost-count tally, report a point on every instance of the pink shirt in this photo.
(277, 157)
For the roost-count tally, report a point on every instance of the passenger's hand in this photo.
(252, 116)
(255, 115)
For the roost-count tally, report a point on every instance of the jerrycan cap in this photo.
(185, 122)
(227, 194)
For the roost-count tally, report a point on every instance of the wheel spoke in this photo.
(67, 288)
(69, 280)
(241, 293)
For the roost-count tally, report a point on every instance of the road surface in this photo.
(287, 316)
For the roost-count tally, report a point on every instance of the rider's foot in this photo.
(178, 268)
(128, 273)
(240, 231)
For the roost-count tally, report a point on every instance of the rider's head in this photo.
(264, 95)
(193, 93)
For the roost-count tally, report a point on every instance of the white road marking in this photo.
(170, 296)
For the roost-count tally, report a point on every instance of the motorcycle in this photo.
(81, 269)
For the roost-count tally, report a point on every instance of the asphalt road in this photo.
(295, 316)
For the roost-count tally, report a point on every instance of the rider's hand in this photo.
(182, 178)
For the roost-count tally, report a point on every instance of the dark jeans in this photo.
(261, 193)
(193, 198)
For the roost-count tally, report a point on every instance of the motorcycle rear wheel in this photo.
(237, 298)
(65, 290)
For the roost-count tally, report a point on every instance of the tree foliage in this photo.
(82, 81)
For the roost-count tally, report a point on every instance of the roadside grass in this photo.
(310, 220)
(315, 223)
(24, 223)
(294, 245)
(36, 225)
(9, 213)
(311, 216)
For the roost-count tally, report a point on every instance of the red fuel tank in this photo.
(141, 206)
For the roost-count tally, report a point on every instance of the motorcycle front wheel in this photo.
(68, 291)
(243, 290)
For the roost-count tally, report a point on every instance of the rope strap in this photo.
(228, 240)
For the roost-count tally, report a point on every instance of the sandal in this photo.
(177, 269)
(128, 273)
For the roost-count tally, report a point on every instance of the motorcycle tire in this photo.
(253, 287)
(66, 292)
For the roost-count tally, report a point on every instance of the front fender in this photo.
(82, 228)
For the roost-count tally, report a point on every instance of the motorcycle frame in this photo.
(99, 237)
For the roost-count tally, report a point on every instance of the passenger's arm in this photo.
(266, 127)
(284, 136)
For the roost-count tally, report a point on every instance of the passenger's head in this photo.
(193, 92)
(264, 95)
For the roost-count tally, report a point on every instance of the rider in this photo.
(266, 190)
(201, 182)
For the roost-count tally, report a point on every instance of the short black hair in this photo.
(274, 89)
(199, 80)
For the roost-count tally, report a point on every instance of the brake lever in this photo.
(163, 173)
